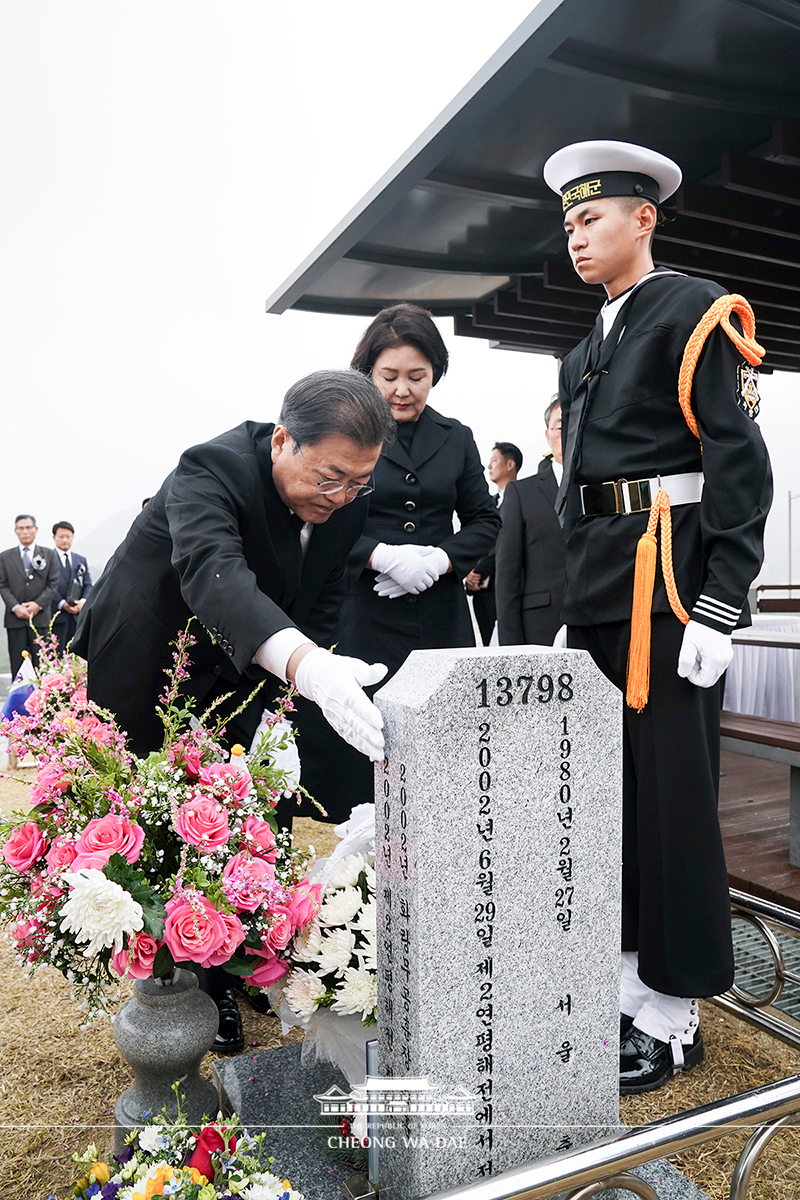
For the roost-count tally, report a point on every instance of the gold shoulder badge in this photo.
(747, 390)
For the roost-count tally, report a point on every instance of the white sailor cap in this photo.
(592, 170)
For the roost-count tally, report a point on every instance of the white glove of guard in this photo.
(287, 760)
(409, 566)
(705, 654)
(433, 562)
(560, 640)
(334, 682)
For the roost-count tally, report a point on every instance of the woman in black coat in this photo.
(404, 577)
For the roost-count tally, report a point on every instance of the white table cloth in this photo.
(765, 680)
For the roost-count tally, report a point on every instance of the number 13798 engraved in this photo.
(526, 690)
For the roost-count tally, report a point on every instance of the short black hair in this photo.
(554, 403)
(25, 517)
(402, 325)
(62, 525)
(509, 450)
(337, 402)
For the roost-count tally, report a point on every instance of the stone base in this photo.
(272, 1091)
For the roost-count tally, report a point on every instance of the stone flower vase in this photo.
(162, 1032)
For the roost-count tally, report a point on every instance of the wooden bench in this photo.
(777, 741)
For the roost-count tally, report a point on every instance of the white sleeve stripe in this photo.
(720, 604)
(703, 611)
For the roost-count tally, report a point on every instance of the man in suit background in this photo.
(74, 584)
(530, 553)
(28, 581)
(505, 463)
(250, 534)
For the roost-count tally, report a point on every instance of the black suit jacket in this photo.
(530, 558)
(64, 580)
(217, 543)
(39, 584)
(415, 497)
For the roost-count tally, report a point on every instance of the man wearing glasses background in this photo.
(28, 582)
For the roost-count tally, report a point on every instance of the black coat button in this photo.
(217, 670)
(411, 599)
(410, 505)
(409, 527)
(411, 477)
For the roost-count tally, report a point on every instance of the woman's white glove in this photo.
(430, 562)
(334, 682)
(408, 566)
(560, 640)
(705, 654)
(288, 759)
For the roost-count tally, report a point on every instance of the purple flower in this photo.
(124, 1156)
(110, 1191)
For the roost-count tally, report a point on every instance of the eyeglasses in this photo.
(328, 487)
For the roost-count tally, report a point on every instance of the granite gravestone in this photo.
(498, 818)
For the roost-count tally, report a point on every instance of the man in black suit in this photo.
(505, 463)
(530, 550)
(74, 584)
(250, 533)
(28, 581)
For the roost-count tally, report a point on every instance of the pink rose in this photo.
(34, 702)
(236, 935)
(61, 854)
(246, 881)
(43, 886)
(95, 730)
(280, 931)
(194, 931)
(270, 970)
(79, 698)
(24, 847)
(202, 822)
(258, 838)
(237, 778)
(303, 904)
(137, 960)
(105, 836)
(193, 760)
(53, 682)
(51, 778)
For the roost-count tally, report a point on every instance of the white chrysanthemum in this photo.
(304, 992)
(346, 873)
(336, 950)
(153, 1138)
(98, 911)
(368, 918)
(308, 942)
(340, 906)
(368, 954)
(358, 993)
(269, 1187)
(369, 871)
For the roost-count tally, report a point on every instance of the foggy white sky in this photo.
(165, 167)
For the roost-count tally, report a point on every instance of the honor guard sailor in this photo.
(657, 410)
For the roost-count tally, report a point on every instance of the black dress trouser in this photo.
(675, 901)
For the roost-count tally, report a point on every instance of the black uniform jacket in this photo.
(216, 542)
(634, 428)
(530, 561)
(39, 584)
(415, 497)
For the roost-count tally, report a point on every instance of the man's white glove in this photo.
(560, 640)
(287, 760)
(432, 562)
(409, 566)
(705, 654)
(334, 682)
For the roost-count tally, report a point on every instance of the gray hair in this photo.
(554, 403)
(344, 403)
(24, 517)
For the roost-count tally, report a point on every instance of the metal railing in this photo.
(607, 1164)
(762, 915)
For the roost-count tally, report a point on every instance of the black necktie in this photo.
(577, 413)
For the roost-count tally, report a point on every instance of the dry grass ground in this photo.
(58, 1084)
